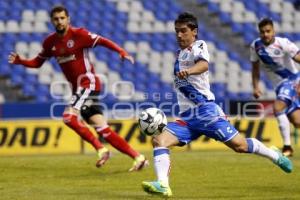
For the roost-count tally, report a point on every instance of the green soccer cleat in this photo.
(157, 188)
(283, 162)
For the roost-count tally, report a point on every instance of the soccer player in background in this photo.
(276, 56)
(199, 114)
(70, 46)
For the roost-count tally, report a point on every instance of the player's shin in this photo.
(72, 121)
(116, 141)
(162, 164)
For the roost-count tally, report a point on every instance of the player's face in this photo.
(267, 34)
(60, 21)
(185, 35)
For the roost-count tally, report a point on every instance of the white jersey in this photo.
(195, 89)
(275, 59)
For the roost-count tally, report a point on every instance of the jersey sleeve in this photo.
(88, 39)
(253, 54)
(200, 51)
(290, 48)
(45, 53)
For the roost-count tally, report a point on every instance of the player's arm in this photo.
(200, 67)
(36, 62)
(297, 57)
(115, 47)
(255, 79)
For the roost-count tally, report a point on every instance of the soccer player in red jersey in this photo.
(70, 46)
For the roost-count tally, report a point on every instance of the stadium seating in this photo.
(145, 29)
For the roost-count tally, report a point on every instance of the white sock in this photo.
(284, 127)
(162, 164)
(255, 146)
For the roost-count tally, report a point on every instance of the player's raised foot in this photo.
(283, 162)
(104, 155)
(156, 187)
(139, 163)
(287, 150)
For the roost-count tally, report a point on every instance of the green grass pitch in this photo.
(205, 174)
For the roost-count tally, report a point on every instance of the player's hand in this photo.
(13, 58)
(183, 74)
(257, 93)
(130, 58)
(125, 55)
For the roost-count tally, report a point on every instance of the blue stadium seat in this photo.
(5, 69)
(213, 8)
(28, 90)
(112, 23)
(16, 80)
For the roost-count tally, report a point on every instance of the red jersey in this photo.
(71, 52)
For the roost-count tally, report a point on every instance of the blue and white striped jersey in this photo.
(195, 89)
(276, 59)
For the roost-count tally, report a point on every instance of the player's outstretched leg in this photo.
(255, 146)
(120, 144)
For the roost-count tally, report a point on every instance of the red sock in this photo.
(117, 141)
(72, 121)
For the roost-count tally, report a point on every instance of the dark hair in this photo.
(58, 8)
(187, 18)
(264, 22)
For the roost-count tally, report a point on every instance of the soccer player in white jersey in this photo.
(199, 114)
(276, 56)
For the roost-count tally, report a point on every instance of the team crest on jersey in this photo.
(70, 43)
(276, 52)
(184, 56)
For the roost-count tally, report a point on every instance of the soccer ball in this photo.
(152, 121)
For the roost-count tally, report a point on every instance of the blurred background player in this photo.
(198, 111)
(70, 46)
(276, 55)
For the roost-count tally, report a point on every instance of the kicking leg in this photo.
(252, 145)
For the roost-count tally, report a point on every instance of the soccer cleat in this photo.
(283, 162)
(104, 155)
(287, 150)
(156, 187)
(139, 163)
